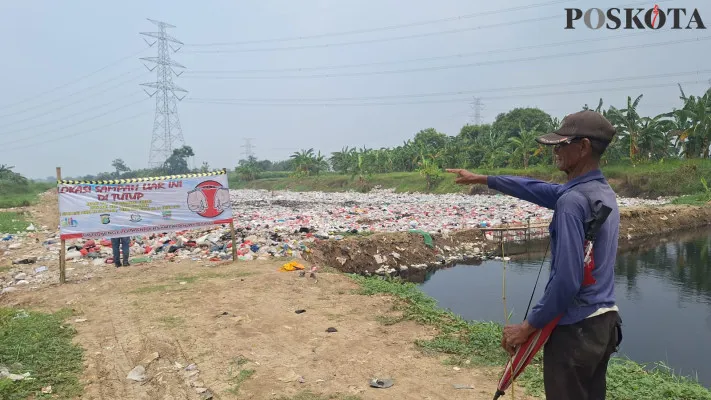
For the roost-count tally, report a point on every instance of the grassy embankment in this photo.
(40, 344)
(15, 195)
(479, 344)
(669, 178)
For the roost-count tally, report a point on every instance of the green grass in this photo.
(40, 344)
(479, 344)
(698, 199)
(22, 195)
(666, 178)
(12, 222)
(238, 375)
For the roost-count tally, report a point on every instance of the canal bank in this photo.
(410, 253)
(661, 316)
(663, 289)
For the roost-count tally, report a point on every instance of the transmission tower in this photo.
(477, 106)
(248, 148)
(167, 133)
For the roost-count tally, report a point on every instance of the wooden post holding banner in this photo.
(232, 227)
(63, 248)
(234, 240)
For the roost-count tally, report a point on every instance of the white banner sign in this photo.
(134, 207)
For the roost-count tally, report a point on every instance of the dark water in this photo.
(663, 290)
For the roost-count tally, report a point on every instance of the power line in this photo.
(455, 66)
(76, 133)
(379, 40)
(457, 100)
(167, 133)
(76, 123)
(457, 56)
(65, 105)
(462, 92)
(120, 60)
(369, 41)
(66, 117)
(385, 28)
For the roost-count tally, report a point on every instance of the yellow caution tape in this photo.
(146, 179)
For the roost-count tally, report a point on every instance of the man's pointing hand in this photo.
(465, 177)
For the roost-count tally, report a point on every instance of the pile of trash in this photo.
(29, 256)
(282, 224)
(335, 214)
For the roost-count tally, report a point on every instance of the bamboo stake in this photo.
(63, 248)
(506, 313)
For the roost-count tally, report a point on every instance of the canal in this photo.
(663, 289)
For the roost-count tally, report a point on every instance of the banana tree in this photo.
(697, 111)
(524, 145)
(343, 161)
(654, 137)
(494, 148)
(628, 123)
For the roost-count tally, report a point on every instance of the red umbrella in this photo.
(523, 356)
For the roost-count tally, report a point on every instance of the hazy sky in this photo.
(53, 114)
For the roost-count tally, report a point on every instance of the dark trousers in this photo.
(575, 358)
(124, 242)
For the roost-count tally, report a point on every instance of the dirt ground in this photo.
(239, 317)
(236, 323)
(639, 222)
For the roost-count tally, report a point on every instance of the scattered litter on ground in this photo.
(5, 373)
(381, 383)
(291, 266)
(137, 374)
(460, 386)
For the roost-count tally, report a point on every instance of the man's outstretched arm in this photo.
(535, 191)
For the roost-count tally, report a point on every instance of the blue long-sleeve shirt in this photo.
(564, 293)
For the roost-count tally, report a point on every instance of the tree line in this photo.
(509, 141)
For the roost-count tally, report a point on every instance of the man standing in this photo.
(577, 352)
(124, 243)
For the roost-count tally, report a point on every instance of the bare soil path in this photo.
(237, 323)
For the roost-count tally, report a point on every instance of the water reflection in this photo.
(682, 261)
(663, 289)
